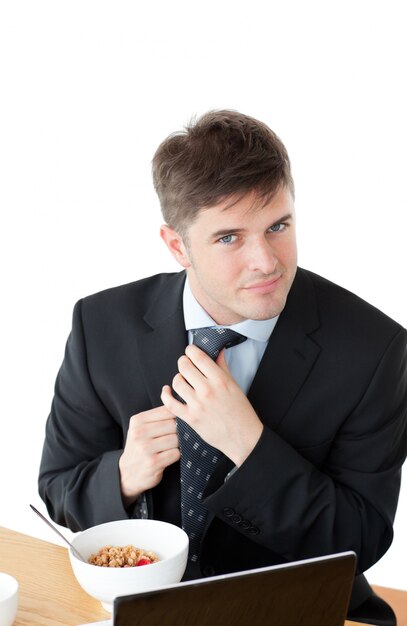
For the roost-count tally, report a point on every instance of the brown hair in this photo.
(224, 153)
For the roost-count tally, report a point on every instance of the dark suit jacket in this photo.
(331, 391)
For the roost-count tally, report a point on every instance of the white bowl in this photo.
(169, 542)
(8, 599)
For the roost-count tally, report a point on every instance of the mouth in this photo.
(265, 286)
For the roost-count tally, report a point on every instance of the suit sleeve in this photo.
(79, 476)
(298, 510)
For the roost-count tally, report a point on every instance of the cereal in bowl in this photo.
(127, 556)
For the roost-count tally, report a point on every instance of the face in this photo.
(241, 260)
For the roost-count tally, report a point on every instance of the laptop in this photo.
(312, 592)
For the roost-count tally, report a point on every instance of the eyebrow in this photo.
(229, 231)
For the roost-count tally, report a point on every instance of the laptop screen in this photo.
(314, 592)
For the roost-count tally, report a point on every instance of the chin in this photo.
(266, 313)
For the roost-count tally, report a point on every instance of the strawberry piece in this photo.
(144, 561)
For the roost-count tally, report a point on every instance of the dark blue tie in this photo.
(198, 458)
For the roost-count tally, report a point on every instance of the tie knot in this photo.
(214, 338)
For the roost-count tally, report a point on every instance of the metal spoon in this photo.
(74, 550)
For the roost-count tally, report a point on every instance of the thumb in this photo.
(221, 361)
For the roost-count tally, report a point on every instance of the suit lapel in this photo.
(289, 356)
(164, 339)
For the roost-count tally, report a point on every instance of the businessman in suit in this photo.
(303, 411)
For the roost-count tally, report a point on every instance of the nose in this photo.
(261, 256)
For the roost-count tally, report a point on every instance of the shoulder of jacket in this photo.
(145, 286)
(347, 305)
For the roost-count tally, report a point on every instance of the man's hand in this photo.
(215, 406)
(151, 445)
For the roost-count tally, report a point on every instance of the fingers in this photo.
(151, 424)
(168, 457)
(145, 425)
(201, 360)
(221, 362)
(151, 445)
(154, 415)
(195, 368)
(160, 444)
(172, 404)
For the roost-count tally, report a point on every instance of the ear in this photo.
(175, 245)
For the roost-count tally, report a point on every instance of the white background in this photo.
(89, 89)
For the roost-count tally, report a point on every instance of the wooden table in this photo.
(49, 592)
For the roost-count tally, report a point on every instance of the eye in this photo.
(227, 239)
(277, 228)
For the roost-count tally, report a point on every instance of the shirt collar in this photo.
(196, 317)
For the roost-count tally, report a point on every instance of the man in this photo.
(304, 416)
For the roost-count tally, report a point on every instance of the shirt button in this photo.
(228, 512)
(253, 530)
(236, 519)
